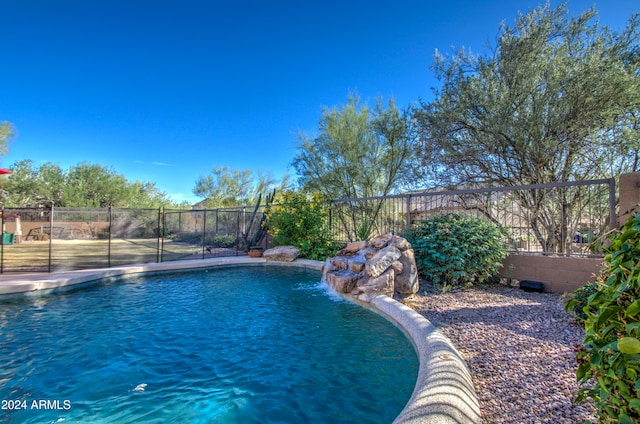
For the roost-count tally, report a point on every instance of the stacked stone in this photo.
(384, 265)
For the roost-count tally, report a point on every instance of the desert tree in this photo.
(7, 132)
(358, 153)
(81, 186)
(226, 187)
(556, 100)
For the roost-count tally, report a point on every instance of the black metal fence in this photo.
(561, 218)
(58, 239)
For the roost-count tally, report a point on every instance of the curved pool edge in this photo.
(443, 392)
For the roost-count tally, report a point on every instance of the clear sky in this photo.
(164, 90)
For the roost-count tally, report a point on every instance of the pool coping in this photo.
(443, 392)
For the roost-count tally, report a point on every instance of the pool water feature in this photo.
(232, 345)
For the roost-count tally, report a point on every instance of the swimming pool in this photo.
(226, 345)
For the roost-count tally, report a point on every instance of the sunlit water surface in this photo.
(234, 345)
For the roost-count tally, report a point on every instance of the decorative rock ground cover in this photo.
(519, 348)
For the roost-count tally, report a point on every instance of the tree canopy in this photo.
(7, 132)
(358, 152)
(557, 100)
(83, 185)
(226, 187)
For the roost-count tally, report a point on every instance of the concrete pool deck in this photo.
(443, 393)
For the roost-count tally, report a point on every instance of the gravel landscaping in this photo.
(518, 346)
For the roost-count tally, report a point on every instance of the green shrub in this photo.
(457, 249)
(577, 301)
(301, 221)
(610, 356)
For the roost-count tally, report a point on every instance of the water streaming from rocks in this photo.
(384, 265)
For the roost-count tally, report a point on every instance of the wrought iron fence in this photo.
(56, 239)
(561, 218)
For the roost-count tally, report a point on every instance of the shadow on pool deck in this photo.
(443, 393)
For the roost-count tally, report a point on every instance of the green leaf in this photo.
(605, 315)
(633, 309)
(629, 345)
(634, 326)
(610, 327)
(583, 372)
(624, 419)
(628, 233)
(623, 389)
(635, 404)
(632, 361)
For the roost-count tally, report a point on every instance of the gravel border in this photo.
(518, 347)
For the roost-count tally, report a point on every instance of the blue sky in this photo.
(165, 90)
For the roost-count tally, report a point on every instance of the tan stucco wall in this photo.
(565, 274)
(559, 274)
(629, 194)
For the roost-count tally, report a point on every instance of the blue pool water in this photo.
(234, 345)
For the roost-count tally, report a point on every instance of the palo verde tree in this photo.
(226, 187)
(556, 100)
(359, 152)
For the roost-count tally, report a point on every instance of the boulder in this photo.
(281, 254)
(342, 281)
(380, 242)
(406, 282)
(382, 284)
(381, 261)
(340, 262)
(352, 248)
(384, 265)
(400, 243)
(397, 267)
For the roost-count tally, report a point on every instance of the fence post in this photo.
(238, 232)
(408, 214)
(330, 229)
(109, 241)
(2, 246)
(612, 205)
(164, 226)
(159, 234)
(50, 237)
(204, 230)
